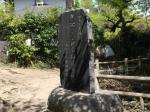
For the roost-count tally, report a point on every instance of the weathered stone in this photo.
(77, 69)
(76, 52)
(62, 100)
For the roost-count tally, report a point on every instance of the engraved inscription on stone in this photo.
(76, 51)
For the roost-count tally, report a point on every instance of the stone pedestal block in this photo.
(62, 100)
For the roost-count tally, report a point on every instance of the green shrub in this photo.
(41, 28)
(98, 35)
(98, 30)
(19, 51)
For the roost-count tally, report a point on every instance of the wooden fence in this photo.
(124, 66)
(127, 68)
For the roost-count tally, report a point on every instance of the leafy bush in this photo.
(98, 34)
(19, 51)
(43, 31)
(41, 28)
(98, 30)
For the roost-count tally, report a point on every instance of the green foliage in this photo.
(19, 50)
(97, 19)
(111, 35)
(130, 37)
(41, 28)
(98, 28)
(88, 4)
(77, 4)
(98, 34)
(107, 13)
(4, 19)
(143, 5)
(120, 4)
(140, 24)
(116, 13)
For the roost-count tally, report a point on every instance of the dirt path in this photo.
(27, 89)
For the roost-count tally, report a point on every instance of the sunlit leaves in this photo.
(41, 28)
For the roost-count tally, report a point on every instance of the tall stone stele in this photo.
(77, 69)
(76, 51)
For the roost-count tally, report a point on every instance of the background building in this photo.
(20, 6)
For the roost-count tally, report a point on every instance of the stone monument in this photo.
(77, 91)
(76, 52)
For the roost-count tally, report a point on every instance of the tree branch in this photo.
(133, 18)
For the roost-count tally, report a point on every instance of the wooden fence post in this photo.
(97, 66)
(126, 65)
(139, 63)
(142, 104)
(97, 88)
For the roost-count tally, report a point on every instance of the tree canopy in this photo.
(144, 6)
(117, 13)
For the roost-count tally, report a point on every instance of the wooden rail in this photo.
(114, 62)
(125, 64)
(124, 77)
(122, 93)
(119, 77)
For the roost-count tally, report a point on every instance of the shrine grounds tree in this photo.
(117, 13)
(119, 20)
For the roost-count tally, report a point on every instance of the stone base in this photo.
(62, 100)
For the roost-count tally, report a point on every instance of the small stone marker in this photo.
(76, 51)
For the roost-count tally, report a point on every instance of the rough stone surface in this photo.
(62, 100)
(76, 52)
(77, 69)
(35, 106)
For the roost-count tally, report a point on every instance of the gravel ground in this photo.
(27, 90)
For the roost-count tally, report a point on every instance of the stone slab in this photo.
(76, 51)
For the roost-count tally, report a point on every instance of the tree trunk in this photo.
(69, 4)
